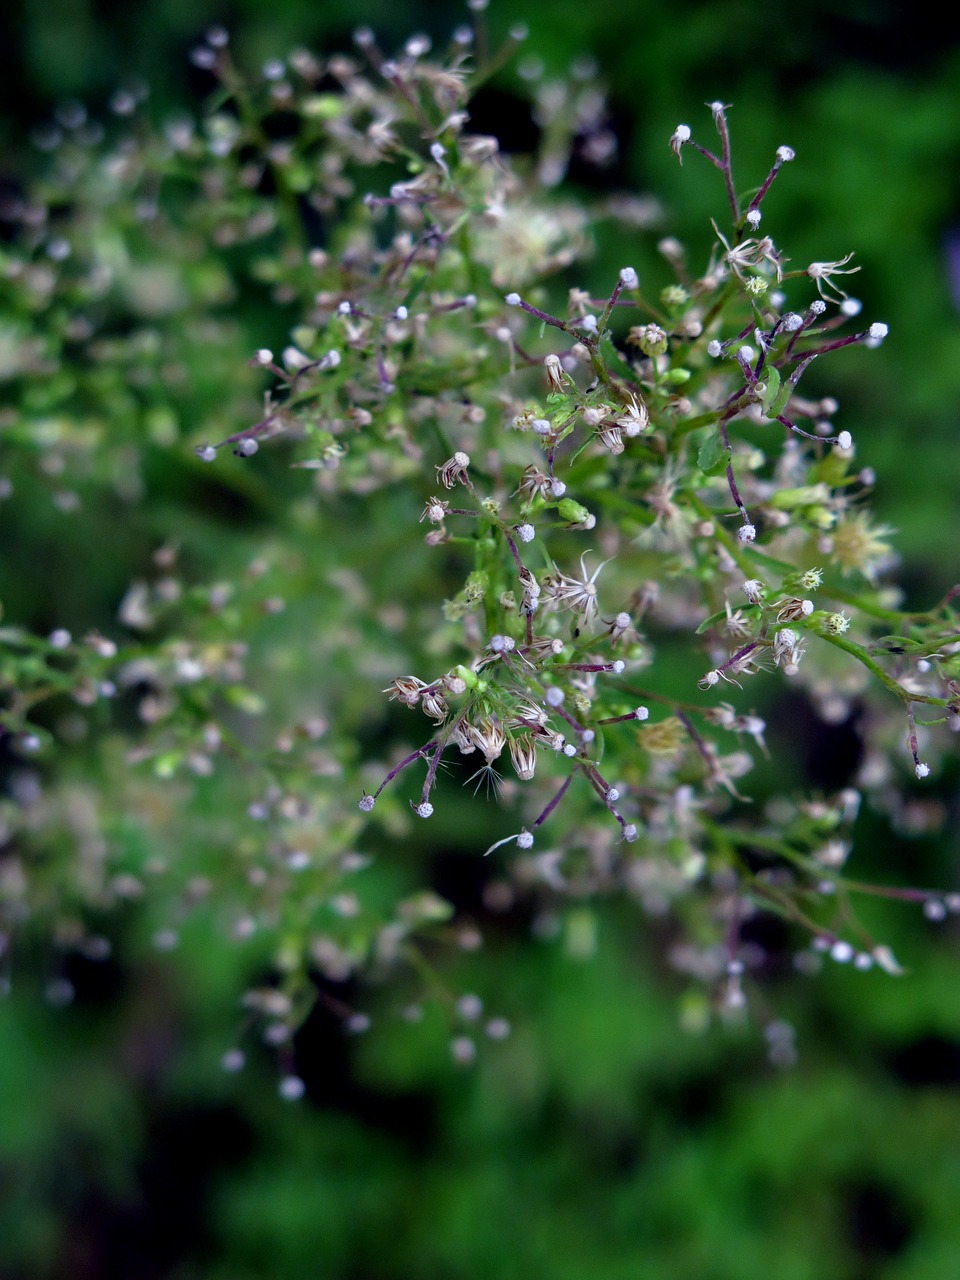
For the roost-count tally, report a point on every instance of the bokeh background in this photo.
(603, 1138)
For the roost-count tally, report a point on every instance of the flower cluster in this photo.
(586, 519)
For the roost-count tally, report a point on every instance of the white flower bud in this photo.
(291, 1088)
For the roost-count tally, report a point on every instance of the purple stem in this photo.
(544, 316)
(767, 184)
(414, 755)
(432, 771)
(554, 802)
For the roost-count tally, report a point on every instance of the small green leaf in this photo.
(713, 454)
(770, 390)
(781, 400)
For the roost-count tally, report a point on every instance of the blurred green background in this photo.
(602, 1138)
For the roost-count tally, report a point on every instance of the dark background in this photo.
(601, 1139)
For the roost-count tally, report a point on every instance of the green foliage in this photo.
(384, 234)
(489, 454)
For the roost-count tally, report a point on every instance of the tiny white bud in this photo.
(424, 809)
(817, 307)
(60, 639)
(792, 322)
(553, 696)
(207, 454)
(344, 308)
(841, 951)
(618, 667)
(513, 299)
(525, 840)
(462, 1048)
(785, 154)
(747, 533)
(613, 794)
(878, 331)
(746, 353)
(844, 440)
(629, 278)
(682, 133)
(366, 804)
(714, 348)
(497, 1028)
(753, 218)
(922, 770)
(558, 488)
(569, 749)
(247, 448)
(401, 313)
(642, 713)
(526, 532)
(630, 832)
(470, 1007)
(291, 1088)
(851, 307)
(264, 356)
(934, 910)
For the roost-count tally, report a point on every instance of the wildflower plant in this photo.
(563, 528)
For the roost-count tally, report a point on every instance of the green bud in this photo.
(677, 376)
(471, 679)
(475, 587)
(835, 624)
(674, 296)
(323, 106)
(801, 496)
(572, 511)
(652, 340)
